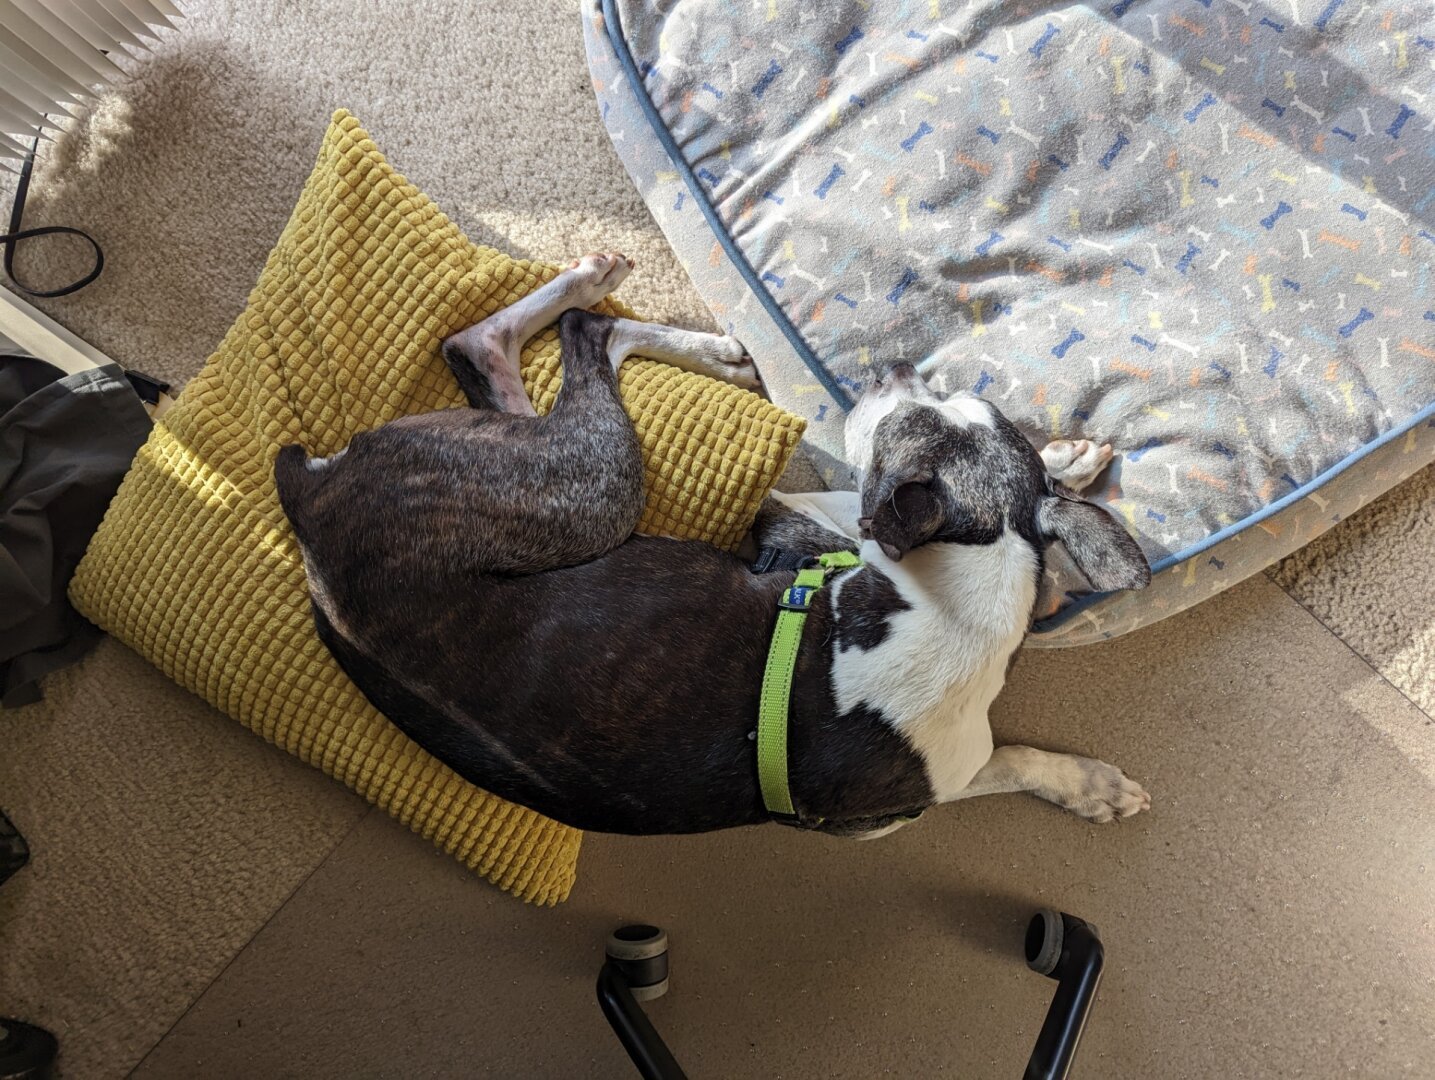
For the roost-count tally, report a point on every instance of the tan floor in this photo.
(1270, 918)
(163, 836)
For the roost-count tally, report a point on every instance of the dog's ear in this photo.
(1096, 542)
(904, 513)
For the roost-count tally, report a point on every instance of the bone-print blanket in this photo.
(1198, 229)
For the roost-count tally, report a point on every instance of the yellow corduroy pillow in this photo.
(196, 568)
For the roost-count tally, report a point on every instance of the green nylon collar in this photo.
(777, 678)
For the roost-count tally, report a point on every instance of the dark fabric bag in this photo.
(66, 441)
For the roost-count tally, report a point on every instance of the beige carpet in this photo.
(166, 838)
(1269, 919)
(1372, 581)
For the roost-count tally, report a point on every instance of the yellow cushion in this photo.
(195, 566)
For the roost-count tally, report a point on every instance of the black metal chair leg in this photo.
(1068, 950)
(635, 1031)
(637, 969)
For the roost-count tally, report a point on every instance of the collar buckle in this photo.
(770, 559)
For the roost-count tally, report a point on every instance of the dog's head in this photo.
(955, 469)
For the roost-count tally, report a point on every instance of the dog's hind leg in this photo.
(1088, 788)
(484, 358)
(716, 355)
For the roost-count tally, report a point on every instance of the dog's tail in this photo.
(297, 482)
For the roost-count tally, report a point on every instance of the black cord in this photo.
(10, 240)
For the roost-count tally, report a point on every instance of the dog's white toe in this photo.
(1106, 793)
(728, 350)
(596, 275)
(723, 357)
(1076, 463)
(744, 374)
(740, 370)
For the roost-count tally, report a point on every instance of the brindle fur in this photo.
(598, 691)
(452, 492)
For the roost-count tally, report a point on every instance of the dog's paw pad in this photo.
(1106, 793)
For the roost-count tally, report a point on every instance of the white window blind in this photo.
(56, 53)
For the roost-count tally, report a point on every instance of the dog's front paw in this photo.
(1076, 464)
(1103, 793)
(595, 276)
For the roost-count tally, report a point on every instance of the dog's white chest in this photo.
(943, 660)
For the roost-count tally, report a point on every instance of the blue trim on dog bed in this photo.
(614, 28)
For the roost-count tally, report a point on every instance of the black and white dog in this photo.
(475, 571)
